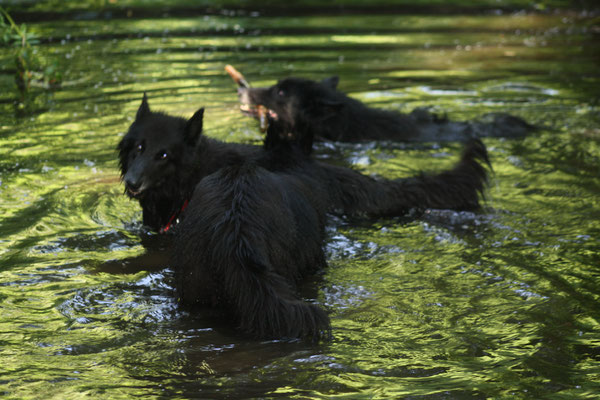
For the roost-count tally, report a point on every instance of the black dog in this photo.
(252, 218)
(304, 107)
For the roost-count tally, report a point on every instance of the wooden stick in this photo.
(236, 76)
(262, 117)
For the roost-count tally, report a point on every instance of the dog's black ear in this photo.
(144, 108)
(193, 128)
(331, 82)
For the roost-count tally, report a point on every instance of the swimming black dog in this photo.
(305, 107)
(249, 220)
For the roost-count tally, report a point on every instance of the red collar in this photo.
(174, 220)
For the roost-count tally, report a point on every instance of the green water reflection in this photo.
(498, 304)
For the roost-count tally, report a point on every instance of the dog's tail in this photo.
(472, 173)
(458, 189)
(230, 273)
(461, 187)
(264, 303)
(473, 157)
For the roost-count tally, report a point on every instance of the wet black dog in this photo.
(252, 217)
(318, 109)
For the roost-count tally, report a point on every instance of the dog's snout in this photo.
(133, 184)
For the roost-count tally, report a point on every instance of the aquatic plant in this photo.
(30, 69)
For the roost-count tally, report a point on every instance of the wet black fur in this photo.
(254, 225)
(305, 107)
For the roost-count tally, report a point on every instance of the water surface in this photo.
(503, 303)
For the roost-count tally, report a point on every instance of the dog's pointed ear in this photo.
(193, 128)
(144, 108)
(331, 82)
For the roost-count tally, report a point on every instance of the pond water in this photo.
(502, 303)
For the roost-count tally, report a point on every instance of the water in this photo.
(503, 303)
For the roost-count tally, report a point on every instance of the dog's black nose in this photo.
(133, 186)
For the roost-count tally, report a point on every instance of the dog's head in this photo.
(294, 101)
(155, 148)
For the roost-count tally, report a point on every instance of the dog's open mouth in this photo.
(257, 110)
(260, 112)
(134, 193)
(250, 110)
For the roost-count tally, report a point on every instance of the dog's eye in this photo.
(140, 148)
(162, 155)
(281, 93)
